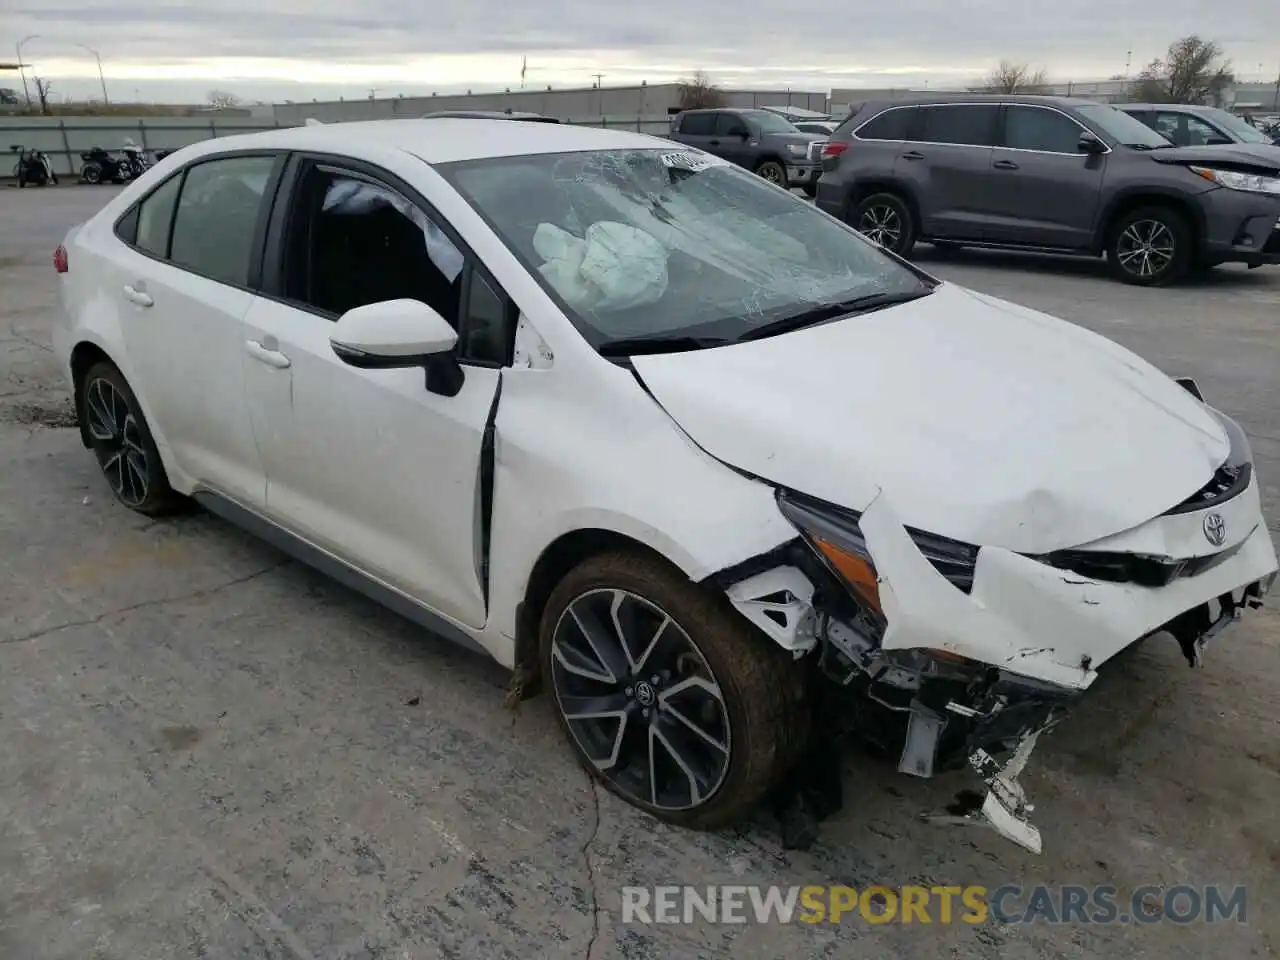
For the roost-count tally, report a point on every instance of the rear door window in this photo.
(217, 217)
(967, 124)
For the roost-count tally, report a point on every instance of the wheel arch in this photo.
(84, 355)
(866, 188)
(1132, 199)
(556, 560)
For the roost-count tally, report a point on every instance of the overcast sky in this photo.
(304, 49)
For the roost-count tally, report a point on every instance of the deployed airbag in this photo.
(614, 267)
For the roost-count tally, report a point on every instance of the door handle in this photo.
(913, 155)
(272, 358)
(714, 143)
(1005, 165)
(137, 295)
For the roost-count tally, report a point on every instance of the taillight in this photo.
(60, 259)
(834, 148)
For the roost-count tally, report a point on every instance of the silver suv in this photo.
(1052, 174)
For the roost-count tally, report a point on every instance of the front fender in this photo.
(618, 464)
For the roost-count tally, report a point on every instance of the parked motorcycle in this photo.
(103, 167)
(137, 159)
(33, 167)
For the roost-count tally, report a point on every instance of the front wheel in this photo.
(671, 702)
(773, 171)
(1150, 247)
(886, 219)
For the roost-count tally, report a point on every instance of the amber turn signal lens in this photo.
(857, 571)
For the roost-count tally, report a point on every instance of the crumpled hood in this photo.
(978, 420)
(799, 136)
(1263, 155)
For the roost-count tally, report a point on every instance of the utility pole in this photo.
(101, 78)
(1275, 100)
(22, 69)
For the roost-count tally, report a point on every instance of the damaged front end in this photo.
(945, 659)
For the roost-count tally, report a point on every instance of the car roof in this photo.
(440, 139)
(958, 97)
(1172, 107)
(490, 115)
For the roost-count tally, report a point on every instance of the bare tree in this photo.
(698, 91)
(1193, 71)
(43, 89)
(221, 99)
(1011, 77)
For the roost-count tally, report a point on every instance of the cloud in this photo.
(414, 45)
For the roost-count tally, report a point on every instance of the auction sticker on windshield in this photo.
(693, 162)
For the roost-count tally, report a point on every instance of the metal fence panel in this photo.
(65, 138)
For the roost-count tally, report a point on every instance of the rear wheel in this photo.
(1150, 247)
(671, 702)
(122, 442)
(91, 173)
(886, 219)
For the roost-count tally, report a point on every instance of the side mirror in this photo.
(1090, 144)
(396, 334)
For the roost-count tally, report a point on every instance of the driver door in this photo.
(731, 139)
(367, 464)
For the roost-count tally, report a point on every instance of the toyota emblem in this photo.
(1215, 529)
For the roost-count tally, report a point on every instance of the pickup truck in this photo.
(756, 139)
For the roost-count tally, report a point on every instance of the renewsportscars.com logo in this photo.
(1010, 903)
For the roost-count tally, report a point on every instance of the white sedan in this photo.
(723, 475)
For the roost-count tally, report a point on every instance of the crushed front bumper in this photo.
(947, 677)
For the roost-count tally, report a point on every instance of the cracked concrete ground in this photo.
(207, 750)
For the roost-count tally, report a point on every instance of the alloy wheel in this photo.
(881, 224)
(1146, 248)
(117, 439)
(772, 173)
(640, 700)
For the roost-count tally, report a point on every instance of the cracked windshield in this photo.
(653, 244)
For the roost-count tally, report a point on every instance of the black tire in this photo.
(772, 171)
(1150, 247)
(886, 219)
(91, 173)
(743, 691)
(811, 189)
(121, 440)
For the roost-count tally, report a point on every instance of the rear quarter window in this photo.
(892, 124)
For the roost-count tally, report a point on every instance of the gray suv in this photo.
(1051, 174)
(759, 140)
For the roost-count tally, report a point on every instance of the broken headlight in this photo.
(1241, 453)
(834, 534)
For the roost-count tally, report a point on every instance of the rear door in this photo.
(184, 280)
(1047, 189)
(945, 162)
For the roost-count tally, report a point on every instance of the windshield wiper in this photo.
(822, 312)
(633, 346)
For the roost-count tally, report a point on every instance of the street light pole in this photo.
(22, 70)
(101, 78)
